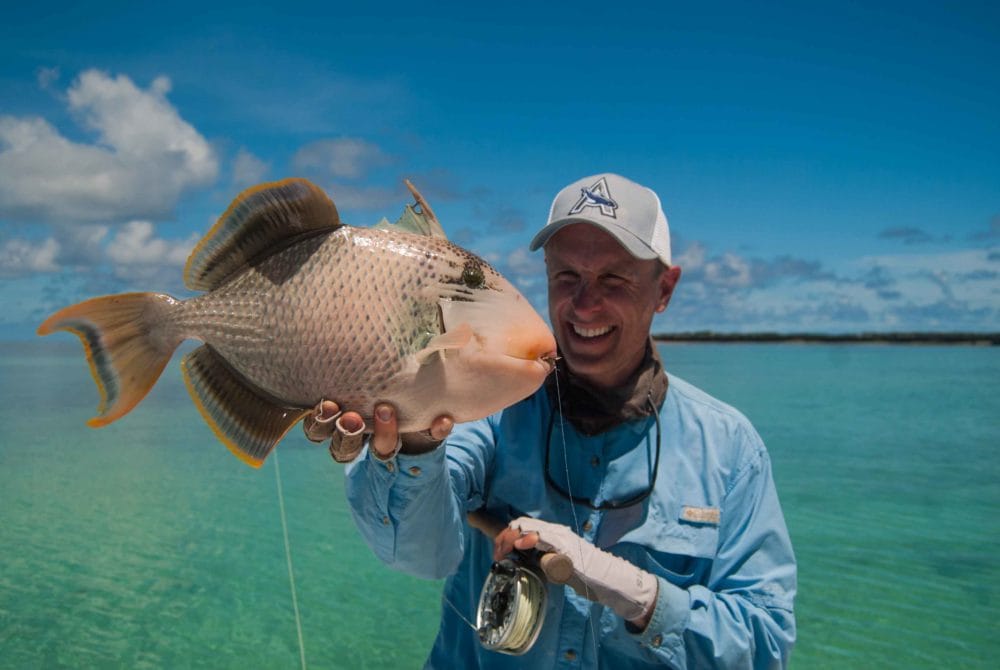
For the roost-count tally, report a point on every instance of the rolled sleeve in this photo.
(661, 642)
(410, 509)
(405, 511)
(367, 485)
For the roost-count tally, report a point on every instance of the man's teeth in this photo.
(591, 332)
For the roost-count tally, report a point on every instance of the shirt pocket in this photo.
(677, 550)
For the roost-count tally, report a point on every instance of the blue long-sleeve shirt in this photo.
(711, 531)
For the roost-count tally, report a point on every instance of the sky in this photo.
(825, 167)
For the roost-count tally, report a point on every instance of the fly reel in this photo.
(511, 607)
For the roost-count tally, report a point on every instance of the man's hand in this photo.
(346, 432)
(597, 575)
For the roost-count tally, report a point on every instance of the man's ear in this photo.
(667, 283)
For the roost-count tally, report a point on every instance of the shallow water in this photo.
(146, 544)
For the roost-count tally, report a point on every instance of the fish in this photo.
(297, 307)
(597, 199)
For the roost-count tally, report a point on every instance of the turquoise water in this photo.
(147, 545)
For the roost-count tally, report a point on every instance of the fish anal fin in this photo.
(452, 339)
(246, 421)
(256, 224)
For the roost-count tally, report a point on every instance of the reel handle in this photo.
(557, 568)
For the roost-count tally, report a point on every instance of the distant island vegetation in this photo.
(977, 339)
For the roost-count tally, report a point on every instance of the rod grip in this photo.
(557, 568)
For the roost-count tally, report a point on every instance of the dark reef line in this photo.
(958, 338)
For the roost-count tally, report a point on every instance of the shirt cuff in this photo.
(669, 619)
(408, 470)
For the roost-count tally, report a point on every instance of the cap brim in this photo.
(626, 238)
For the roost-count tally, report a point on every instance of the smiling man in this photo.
(660, 496)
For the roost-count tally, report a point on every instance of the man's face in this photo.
(601, 302)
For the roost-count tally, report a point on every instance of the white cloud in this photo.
(968, 275)
(81, 245)
(947, 291)
(346, 157)
(347, 197)
(728, 270)
(692, 258)
(529, 264)
(248, 169)
(46, 77)
(135, 244)
(144, 156)
(526, 270)
(22, 257)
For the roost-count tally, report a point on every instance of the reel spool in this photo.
(511, 608)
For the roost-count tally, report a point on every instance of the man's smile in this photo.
(590, 333)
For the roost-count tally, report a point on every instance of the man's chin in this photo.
(585, 364)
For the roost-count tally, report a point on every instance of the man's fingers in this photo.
(386, 436)
(326, 422)
(348, 438)
(528, 541)
(350, 423)
(503, 543)
(441, 427)
(319, 425)
(510, 539)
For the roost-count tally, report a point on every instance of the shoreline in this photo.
(701, 336)
(910, 338)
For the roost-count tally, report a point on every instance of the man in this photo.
(660, 495)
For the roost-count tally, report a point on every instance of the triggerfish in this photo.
(298, 307)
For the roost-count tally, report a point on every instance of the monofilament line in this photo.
(444, 597)
(572, 504)
(288, 558)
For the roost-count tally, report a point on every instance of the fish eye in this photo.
(472, 275)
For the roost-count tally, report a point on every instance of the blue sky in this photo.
(824, 166)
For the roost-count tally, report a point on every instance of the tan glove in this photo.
(348, 433)
(597, 575)
(326, 421)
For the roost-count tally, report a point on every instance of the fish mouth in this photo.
(549, 361)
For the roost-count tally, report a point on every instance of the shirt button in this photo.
(595, 461)
(657, 640)
(570, 655)
(385, 520)
(415, 471)
(390, 466)
(587, 526)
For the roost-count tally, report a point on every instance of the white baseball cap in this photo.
(628, 211)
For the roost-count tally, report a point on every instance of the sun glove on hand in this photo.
(597, 574)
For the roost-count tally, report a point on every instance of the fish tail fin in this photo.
(245, 420)
(126, 343)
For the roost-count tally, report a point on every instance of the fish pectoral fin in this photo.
(452, 339)
(246, 421)
(257, 224)
(417, 218)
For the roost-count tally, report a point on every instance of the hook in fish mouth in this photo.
(550, 360)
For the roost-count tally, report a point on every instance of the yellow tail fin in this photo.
(126, 345)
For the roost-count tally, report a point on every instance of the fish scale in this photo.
(299, 308)
(322, 345)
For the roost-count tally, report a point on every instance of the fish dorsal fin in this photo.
(453, 339)
(417, 218)
(243, 419)
(257, 222)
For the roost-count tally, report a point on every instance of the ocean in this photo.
(146, 544)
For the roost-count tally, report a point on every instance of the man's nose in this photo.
(587, 296)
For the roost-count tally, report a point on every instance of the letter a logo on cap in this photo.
(599, 196)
